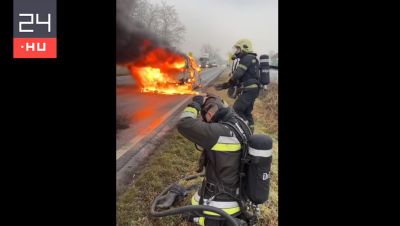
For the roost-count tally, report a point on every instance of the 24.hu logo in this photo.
(35, 29)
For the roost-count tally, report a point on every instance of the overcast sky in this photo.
(223, 22)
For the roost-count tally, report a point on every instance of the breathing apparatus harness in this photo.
(233, 90)
(235, 62)
(249, 211)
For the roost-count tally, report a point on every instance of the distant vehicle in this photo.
(206, 65)
(214, 65)
(204, 61)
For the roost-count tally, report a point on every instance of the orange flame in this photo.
(194, 64)
(161, 71)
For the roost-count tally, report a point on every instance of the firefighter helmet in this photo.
(211, 106)
(244, 45)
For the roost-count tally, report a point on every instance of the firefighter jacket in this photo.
(247, 72)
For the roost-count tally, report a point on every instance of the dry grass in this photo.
(177, 157)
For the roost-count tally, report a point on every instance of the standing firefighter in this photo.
(246, 79)
(220, 157)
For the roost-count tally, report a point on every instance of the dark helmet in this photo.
(213, 105)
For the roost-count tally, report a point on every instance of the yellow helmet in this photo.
(245, 45)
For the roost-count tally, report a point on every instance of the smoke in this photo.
(133, 39)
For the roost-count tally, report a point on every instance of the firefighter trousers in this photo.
(243, 105)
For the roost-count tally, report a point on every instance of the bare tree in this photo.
(161, 19)
(140, 11)
(171, 28)
(152, 17)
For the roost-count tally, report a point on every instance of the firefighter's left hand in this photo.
(197, 102)
(198, 99)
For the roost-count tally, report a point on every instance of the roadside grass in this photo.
(176, 157)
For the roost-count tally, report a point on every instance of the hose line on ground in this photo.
(192, 208)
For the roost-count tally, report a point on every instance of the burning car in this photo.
(191, 73)
(164, 71)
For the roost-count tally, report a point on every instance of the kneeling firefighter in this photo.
(244, 81)
(220, 157)
(236, 166)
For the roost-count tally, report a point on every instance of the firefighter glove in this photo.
(198, 99)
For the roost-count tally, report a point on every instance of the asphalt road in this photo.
(146, 111)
